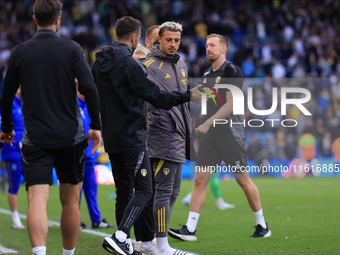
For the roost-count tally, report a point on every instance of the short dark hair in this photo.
(46, 11)
(126, 26)
(223, 40)
(150, 30)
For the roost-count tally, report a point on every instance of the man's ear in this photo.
(57, 20)
(133, 38)
(35, 19)
(159, 39)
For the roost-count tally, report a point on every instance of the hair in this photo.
(47, 11)
(150, 30)
(127, 26)
(169, 26)
(223, 40)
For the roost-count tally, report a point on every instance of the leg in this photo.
(90, 187)
(164, 174)
(123, 183)
(176, 188)
(237, 158)
(251, 192)
(14, 169)
(144, 229)
(216, 189)
(199, 194)
(37, 164)
(12, 201)
(69, 165)
(168, 177)
(144, 226)
(137, 171)
(37, 223)
(70, 216)
(207, 157)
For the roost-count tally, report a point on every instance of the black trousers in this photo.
(131, 171)
(144, 227)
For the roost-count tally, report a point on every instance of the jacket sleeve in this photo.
(150, 92)
(10, 87)
(87, 87)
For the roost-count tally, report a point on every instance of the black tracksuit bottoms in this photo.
(131, 171)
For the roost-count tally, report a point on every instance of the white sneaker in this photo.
(145, 249)
(187, 199)
(225, 206)
(17, 225)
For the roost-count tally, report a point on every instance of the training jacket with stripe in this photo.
(167, 130)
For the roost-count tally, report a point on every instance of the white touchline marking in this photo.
(269, 208)
(4, 250)
(54, 223)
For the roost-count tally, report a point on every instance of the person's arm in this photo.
(10, 87)
(87, 87)
(222, 113)
(150, 92)
(236, 78)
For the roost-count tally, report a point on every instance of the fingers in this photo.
(95, 146)
(7, 140)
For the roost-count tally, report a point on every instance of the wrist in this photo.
(209, 122)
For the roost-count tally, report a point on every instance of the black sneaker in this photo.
(103, 224)
(114, 246)
(83, 226)
(182, 234)
(261, 232)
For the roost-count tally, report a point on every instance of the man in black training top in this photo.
(46, 66)
(222, 142)
(123, 90)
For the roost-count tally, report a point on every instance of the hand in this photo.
(7, 137)
(197, 95)
(96, 137)
(137, 57)
(202, 129)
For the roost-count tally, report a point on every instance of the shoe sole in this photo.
(182, 237)
(268, 234)
(103, 227)
(18, 227)
(225, 208)
(110, 246)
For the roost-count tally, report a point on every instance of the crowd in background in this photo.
(275, 43)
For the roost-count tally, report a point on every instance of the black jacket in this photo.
(123, 89)
(46, 67)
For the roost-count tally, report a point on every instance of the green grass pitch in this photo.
(306, 211)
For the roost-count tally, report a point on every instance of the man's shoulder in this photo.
(153, 62)
(232, 70)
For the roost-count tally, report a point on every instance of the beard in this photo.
(134, 45)
(212, 58)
